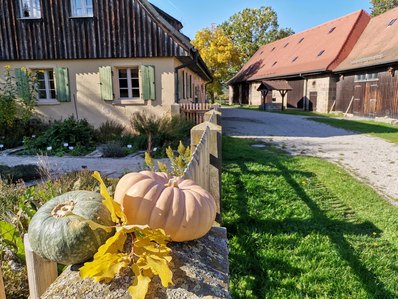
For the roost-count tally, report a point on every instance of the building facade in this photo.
(101, 60)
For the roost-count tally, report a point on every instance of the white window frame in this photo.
(47, 87)
(129, 85)
(34, 9)
(369, 76)
(84, 8)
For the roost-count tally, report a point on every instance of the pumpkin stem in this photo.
(172, 183)
(63, 209)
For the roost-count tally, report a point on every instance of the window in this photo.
(294, 59)
(82, 8)
(273, 49)
(301, 40)
(286, 45)
(30, 9)
(129, 83)
(275, 63)
(366, 77)
(391, 22)
(321, 52)
(332, 29)
(45, 84)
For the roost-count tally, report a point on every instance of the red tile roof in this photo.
(377, 45)
(275, 85)
(318, 49)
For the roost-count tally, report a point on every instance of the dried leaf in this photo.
(159, 266)
(77, 221)
(140, 285)
(149, 161)
(114, 244)
(114, 208)
(181, 149)
(105, 267)
(162, 167)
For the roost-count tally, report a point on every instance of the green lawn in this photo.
(300, 227)
(378, 129)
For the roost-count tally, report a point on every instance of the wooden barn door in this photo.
(371, 96)
(313, 100)
(357, 108)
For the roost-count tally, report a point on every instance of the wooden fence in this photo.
(195, 112)
(204, 168)
(205, 165)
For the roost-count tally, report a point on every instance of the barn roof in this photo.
(377, 45)
(318, 49)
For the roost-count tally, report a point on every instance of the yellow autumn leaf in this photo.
(139, 288)
(114, 208)
(105, 267)
(162, 167)
(159, 266)
(78, 221)
(114, 244)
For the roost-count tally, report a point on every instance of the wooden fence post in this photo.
(41, 272)
(213, 116)
(214, 151)
(2, 289)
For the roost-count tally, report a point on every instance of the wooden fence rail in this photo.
(2, 289)
(195, 111)
(204, 168)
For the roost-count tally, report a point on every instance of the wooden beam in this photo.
(2, 289)
(41, 272)
(349, 106)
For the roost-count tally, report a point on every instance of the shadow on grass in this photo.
(367, 127)
(319, 223)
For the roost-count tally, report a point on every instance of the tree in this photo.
(219, 54)
(253, 27)
(381, 6)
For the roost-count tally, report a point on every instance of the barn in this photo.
(368, 81)
(305, 60)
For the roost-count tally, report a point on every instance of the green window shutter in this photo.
(22, 84)
(105, 73)
(148, 82)
(62, 84)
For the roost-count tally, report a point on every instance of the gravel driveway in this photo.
(371, 159)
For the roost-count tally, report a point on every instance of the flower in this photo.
(7, 67)
(23, 69)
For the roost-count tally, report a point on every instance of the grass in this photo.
(377, 129)
(290, 111)
(300, 227)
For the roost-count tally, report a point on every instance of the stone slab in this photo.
(200, 270)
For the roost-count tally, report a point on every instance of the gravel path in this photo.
(59, 165)
(371, 159)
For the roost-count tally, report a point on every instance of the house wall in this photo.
(254, 94)
(375, 98)
(84, 84)
(197, 90)
(325, 89)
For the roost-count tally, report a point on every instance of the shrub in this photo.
(161, 132)
(77, 133)
(113, 150)
(19, 172)
(109, 131)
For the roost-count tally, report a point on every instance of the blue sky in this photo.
(299, 15)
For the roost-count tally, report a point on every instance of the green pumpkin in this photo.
(56, 236)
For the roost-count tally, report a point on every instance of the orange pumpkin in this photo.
(183, 209)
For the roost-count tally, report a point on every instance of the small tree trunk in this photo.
(149, 148)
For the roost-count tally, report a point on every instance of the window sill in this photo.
(30, 19)
(81, 17)
(51, 102)
(129, 102)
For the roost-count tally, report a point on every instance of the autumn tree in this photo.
(253, 27)
(381, 6)
(220, 55)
